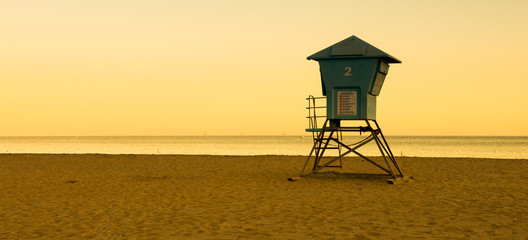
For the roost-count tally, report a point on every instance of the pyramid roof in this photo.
(352, 47)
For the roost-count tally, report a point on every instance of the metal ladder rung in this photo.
(326, 147)
(324, 139)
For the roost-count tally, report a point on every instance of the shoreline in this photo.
(58, 196)
(226, 155)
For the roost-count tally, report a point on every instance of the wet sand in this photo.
(94, 196)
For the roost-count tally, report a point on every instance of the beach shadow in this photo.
(331, 174)
(370, 177)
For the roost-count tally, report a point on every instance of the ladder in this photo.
(322, 138)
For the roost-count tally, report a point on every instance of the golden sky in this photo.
(117, 67)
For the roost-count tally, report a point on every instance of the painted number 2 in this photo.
(348, 71)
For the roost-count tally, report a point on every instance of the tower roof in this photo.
(352, 47)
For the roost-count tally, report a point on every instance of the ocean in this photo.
(411, 146)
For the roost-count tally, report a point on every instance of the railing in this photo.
(316, 113)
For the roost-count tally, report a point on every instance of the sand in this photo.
(236, 197)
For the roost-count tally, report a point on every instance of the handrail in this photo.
(312, 97)
(313, 115)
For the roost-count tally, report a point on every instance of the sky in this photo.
(238, 67)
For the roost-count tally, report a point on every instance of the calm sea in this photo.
(475, 147)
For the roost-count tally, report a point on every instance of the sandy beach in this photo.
(94, 196)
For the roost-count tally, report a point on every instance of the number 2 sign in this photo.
(348, 71)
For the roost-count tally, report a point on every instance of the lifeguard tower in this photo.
(352, 74)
